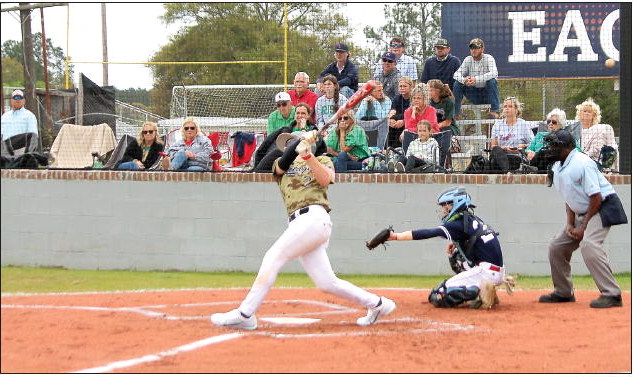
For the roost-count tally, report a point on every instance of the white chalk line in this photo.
(161, 355)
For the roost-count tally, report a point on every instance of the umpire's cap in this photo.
(560, 138)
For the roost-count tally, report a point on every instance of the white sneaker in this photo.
(387, 306)
(234, 319)
(400, 168)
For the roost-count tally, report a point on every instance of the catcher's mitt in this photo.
(458, 261)
(380, 238)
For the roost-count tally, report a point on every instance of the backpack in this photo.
(478, 164)
(607, 156)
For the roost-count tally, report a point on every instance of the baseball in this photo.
(610, 63)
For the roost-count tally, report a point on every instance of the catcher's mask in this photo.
(554, 142)
(458, 197)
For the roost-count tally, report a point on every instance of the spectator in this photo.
(593, 134)
(284, 115)
(442, 66)
(441, 99)
(18, 121)
(301, 93)
(556, 120)
(419, 109)
(390, 74)
(348, 143)
(191, 152)
(143, 151)
(328, 104)
(268, 152)
(375, 106)
(476, 79)
(406, 64)
(511, 133)
(510, 136)
(421, 153)
(346, 72)
(592, 208)
(400, 103)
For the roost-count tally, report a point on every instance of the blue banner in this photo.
(535, 40)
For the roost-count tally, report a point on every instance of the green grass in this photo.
(47, 280)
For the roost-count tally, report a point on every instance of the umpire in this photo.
(592, 207)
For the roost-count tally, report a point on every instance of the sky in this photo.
(135, 33)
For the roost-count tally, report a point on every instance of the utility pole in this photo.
(29, 61)
(104, 44)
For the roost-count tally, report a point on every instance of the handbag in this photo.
(455, 145)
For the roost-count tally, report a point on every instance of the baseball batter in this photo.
(303, 180)
(474, 244)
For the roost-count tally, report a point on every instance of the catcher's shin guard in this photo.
(443, 297)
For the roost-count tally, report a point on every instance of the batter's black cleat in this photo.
(606, 302)
(555, 298)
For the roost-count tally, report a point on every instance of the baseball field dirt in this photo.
(304, 330)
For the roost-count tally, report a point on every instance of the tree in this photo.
(417, 23)
(12, 72)
(242, 32)
(55, 55)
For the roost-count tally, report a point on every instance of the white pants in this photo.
(307, 238)
(475, 275)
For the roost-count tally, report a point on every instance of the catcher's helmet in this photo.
(458, 197)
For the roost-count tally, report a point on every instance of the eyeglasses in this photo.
(549, 121)
(396, 45)
(344, 118)
(475, 47)
(509, 98)
(18, 98)
(388, 61)
(145, 132)
(189, 128)
(282, 104)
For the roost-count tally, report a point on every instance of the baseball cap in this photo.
(284, 138)
(476, 43)
(442, 43)
(282, 96)
(341, 47)
(561, 138)
(17, 92)
(389, 55)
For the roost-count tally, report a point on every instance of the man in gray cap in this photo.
(477, 79)
(442, 66)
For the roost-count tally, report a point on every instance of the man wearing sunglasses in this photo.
(477, 79)
(390, 75)
(18, 120)
(284, 115)
(442, 66)
(405, 64)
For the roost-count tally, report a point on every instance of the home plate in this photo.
(290, 320)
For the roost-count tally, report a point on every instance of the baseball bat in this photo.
(352, 102)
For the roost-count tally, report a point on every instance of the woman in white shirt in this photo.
(511, 133)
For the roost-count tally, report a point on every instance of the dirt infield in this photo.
(169, 332)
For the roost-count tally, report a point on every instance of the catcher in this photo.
(474, 254)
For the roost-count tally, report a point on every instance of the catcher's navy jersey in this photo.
(486, 248)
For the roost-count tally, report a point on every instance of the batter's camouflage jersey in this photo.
(299, 187)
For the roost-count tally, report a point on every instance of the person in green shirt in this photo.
(556, 120)
(283, 116)
(349, 143)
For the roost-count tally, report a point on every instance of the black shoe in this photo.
(553, 297)
(606, 302)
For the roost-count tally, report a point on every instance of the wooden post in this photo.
(104, 44)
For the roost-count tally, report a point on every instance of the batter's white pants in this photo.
(475, 275)
(306, 238)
